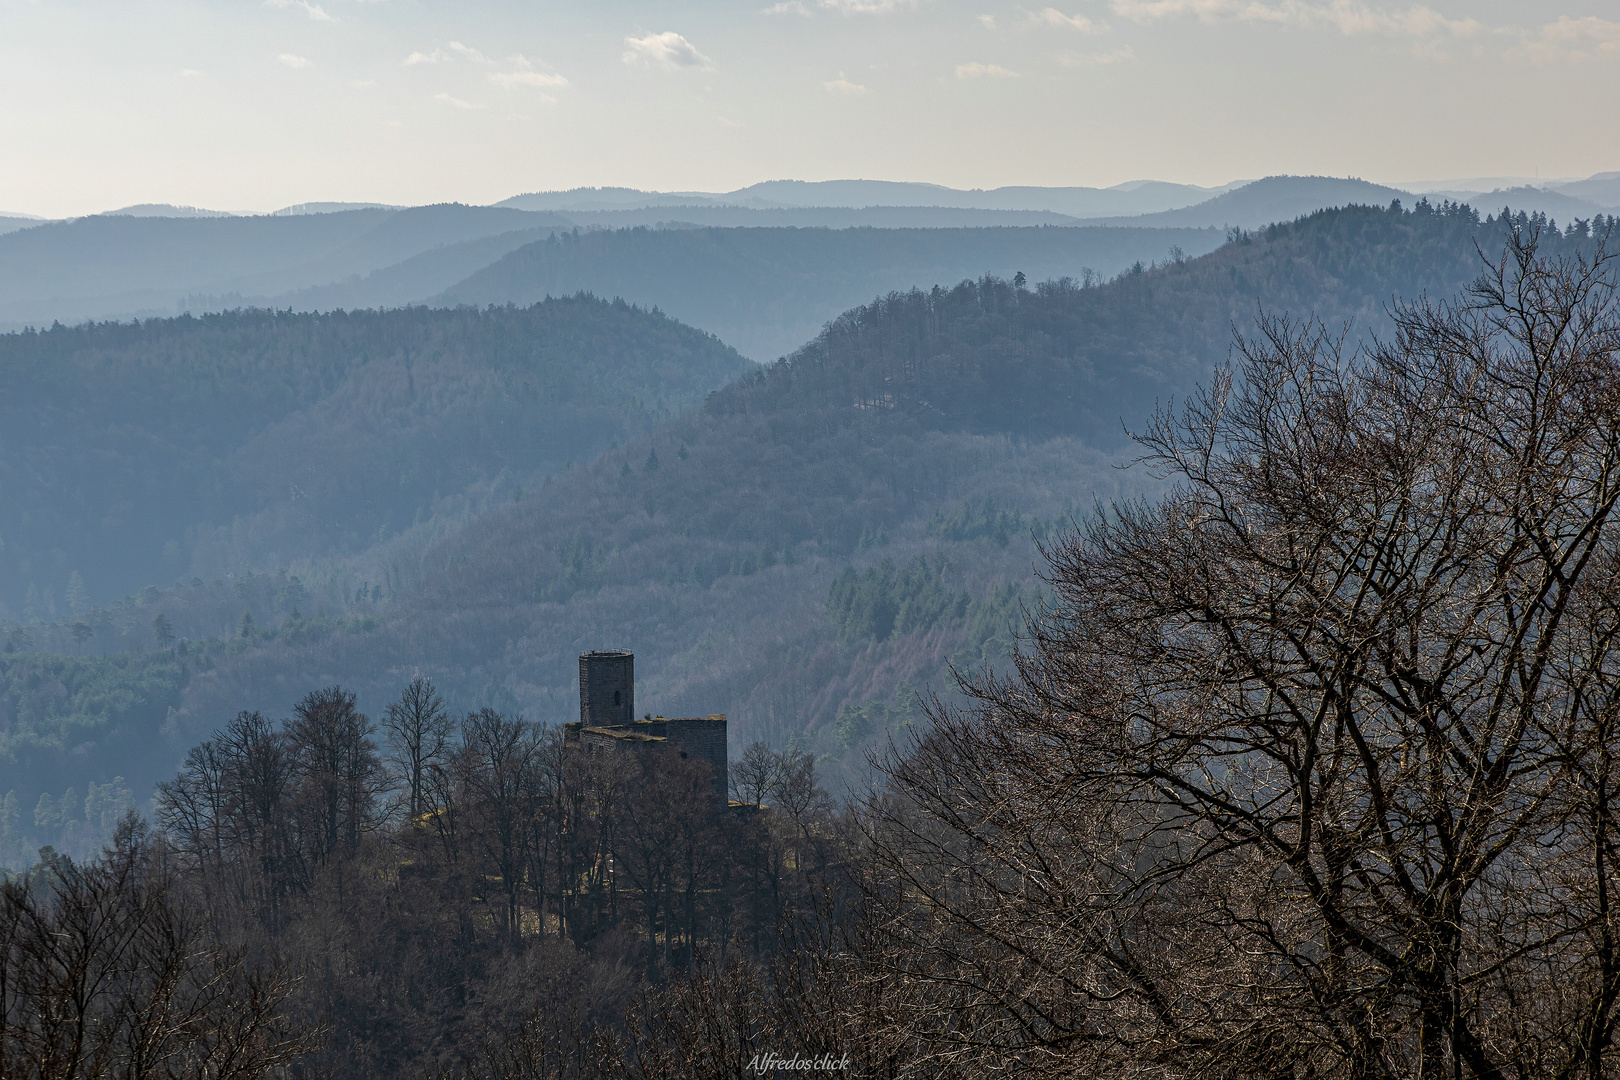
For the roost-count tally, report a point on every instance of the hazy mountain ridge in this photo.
(821, 217)
(133, 454)
(1273, 199)
(109, 265)
(766, 291)
(1137, 196)
(1601, 188)
(709, 546)
(1565, 204)
(322, 256)
(1141, 202)
(905, 455)
(409, 281)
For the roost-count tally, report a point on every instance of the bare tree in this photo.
(230, 813)
(499, 770)
(757, 774)
(1309, 769)
(666, 823)
(419, 730)
(799, 794)
(106, 971)
(336, 759)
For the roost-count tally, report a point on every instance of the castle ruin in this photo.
(607, 720)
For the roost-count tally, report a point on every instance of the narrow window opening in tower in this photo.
(615, 699)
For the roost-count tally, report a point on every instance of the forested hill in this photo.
(1064, 359)
(834, 529)
(804, 552)
(112, 265)
(138, 454)
(767, 291)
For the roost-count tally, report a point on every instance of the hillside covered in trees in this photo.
(767, 291)
(141, 454)
(806, 551)
(1305, 769)
(119, 266)
(933, 432)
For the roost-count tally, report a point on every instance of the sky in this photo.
(250, 105)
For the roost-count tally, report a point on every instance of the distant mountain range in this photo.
(156, 260)
(1271, 199)
(1136, 197)
(118, 266)
(13, 222)
(482, 494)
(1276, 198)
(767, 291)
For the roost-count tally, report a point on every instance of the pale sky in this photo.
(256, 104)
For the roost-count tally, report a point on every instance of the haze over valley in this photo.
(887, 539)
(313, 496)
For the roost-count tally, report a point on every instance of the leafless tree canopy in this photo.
(1306, 769)
(419, 727)
(106, 971)
(1309, 769)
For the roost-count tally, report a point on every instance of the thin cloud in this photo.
(988, 21)
(510, 79)
(1347, 16)
(1204, 10)
(1419, 21)
(976, 70)
(314, 11)
(455, 101)
(668, 50)
(189, 73)
(1565, 40)
(844, 87)
(437, 56)
(867, 7)
(1570, 41)
(1054, 17)
(293, 60)
(470, 53)
(1122, 55)
(845, 7)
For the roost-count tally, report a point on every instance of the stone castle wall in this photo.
(607, 720)
(704, 738)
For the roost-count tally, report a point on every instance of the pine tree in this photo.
(78, 597)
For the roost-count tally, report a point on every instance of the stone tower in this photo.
(607, 688)
(607, 721)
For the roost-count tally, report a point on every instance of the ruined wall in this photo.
(607, 720)
(700, 737)
(703, 737)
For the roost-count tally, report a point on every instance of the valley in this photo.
(808, 547)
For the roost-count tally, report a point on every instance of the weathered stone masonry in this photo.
(607, 721)
(607, 688)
